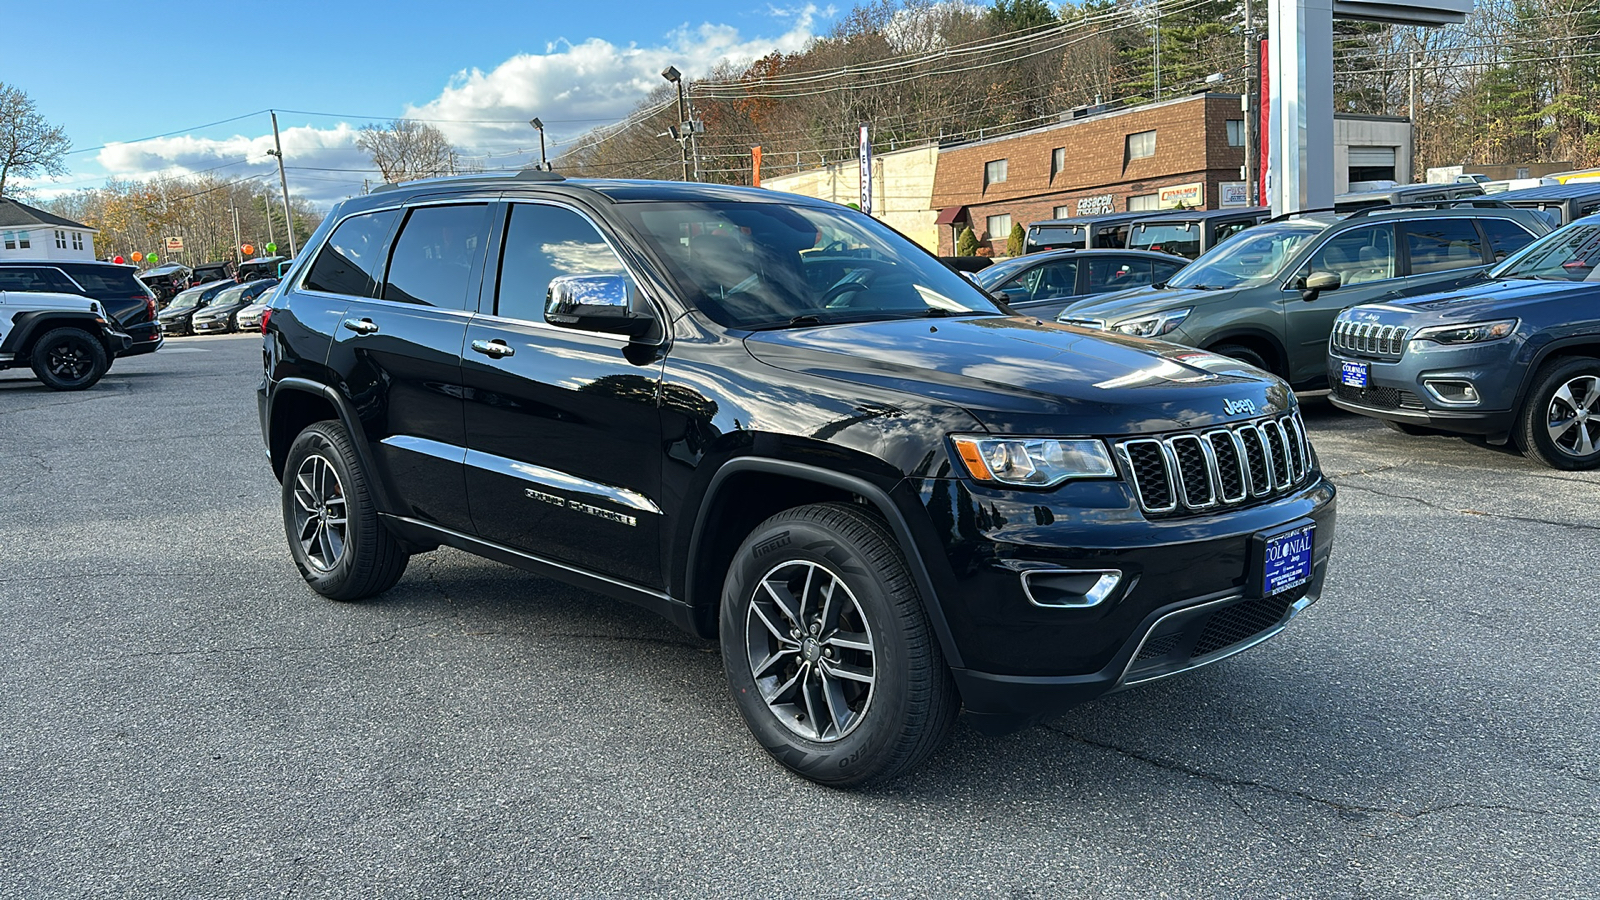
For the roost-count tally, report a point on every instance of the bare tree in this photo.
(406, 149)
(29, 145)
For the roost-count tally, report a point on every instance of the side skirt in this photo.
(427, 534)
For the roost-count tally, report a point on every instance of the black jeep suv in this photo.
(122, 295)
(779, 423)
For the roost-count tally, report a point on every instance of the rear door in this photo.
(1439, 253)
(563, 431)
(400, 355)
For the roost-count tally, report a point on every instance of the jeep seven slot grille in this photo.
(1369, 339)
(1192, 472)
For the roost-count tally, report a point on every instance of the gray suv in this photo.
(1269, 295)
(1513, 357)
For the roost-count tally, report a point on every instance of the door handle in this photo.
(496, 348)
(361, 326)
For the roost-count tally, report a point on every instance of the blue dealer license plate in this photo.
(1353, 374)
(1286, 560)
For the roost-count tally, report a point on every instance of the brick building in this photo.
(1144, 157)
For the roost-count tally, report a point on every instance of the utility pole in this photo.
(672, 74)
(266, 204)
(1411, 113)
(1156, 92)
(238, 250)
(283, 180)
(1252, 84)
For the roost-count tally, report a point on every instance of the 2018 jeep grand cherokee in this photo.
(777, 422)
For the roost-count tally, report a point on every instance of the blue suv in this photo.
(1515, 357)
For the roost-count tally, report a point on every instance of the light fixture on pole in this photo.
(681, 132)
(544, 165)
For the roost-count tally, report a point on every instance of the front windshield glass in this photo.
(186, 300)
(1571, 254)
(1252, 257)
(229, 296)
(770, 265)
(999, 272)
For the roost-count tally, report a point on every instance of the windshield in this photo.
(229, 296)
(999, 272)
(770, 265)
(186, 300)
(1570, 254)
(1252, 257)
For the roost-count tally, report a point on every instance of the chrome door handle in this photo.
(361, 326)
(496, 349)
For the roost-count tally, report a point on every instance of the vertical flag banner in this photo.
(866, 171)
(755, 167)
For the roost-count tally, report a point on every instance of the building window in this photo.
(1142, 145)
(1062, 212)
(1058, 161)
(24, 240)
(77, 240)
(1235, 132)
(61, 240)
(1522, 172)
(999, 227)
(11, 240)
(994, 172)
(1142, 202)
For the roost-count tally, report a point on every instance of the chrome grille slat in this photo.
(1194, 472)
(1368, 339)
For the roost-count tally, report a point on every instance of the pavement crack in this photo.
(1372, 471)
(1337, 805)
(1532, 520)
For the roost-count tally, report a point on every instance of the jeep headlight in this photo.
(1475, 333)
(1033, 462)
(1152, 326)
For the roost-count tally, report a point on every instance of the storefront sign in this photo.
(1234, 194)
(1185, 196)
(1099, 204)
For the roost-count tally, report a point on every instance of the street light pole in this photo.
(672, 74)
(283, 181)
(544, 165)
(238, 250)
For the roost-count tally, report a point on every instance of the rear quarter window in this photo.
(1505, 237)
(106, 281)
(349, 263)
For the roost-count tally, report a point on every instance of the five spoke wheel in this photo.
(320, 513)
(810, 650)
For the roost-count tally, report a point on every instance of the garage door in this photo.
(1371, 156)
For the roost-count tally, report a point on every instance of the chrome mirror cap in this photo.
(594, 303)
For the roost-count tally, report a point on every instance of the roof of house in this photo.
(13, 214)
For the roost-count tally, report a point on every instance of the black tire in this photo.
(363, 559)
(909, 708)
(1245, 355)
(1566, 390)
(1413, 430)
(69, 359)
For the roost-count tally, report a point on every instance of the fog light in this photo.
(1070, 588)
(1452, 391)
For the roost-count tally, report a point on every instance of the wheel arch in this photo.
(28, 326)
(748, 490)
(295, 403)
(1258, 339)
(1582, 346)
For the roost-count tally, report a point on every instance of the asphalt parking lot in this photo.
(183, 717)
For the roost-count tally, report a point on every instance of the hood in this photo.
(1022, 376)
(1136, 302)
(31, 300)
(178, 313)
(1473, 303)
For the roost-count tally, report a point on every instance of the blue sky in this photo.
(480, 69)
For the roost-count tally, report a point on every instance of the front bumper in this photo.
(1185, 598)
(211, 326)
(1398, 389)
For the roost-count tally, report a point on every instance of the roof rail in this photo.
(1300, 212)
(534, 173)
(1475, 201)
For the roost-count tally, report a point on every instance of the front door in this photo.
(1364, 259)
(563, 431)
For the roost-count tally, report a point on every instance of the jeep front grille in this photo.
(1369, 339)
(1196, 471)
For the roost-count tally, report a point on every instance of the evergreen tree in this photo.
(966, 242)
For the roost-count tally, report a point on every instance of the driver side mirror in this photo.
(601, 303)
(1317, 282)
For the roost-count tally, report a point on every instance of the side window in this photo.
(1164, 272)
(1111, 273)
(433, 256)
(1438, 245)
(1359, 255)
(1113, 236)
(349, 263)
(1505, 237)
(1228, 230)
(1053, 279)
(542, 243)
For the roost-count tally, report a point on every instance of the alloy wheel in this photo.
(69, 360)
(319, 512)
(1573, 419)
(810, 650)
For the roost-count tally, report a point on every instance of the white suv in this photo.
(68, 340)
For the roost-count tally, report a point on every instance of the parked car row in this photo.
(169, 280)
(1185, 233)
(212, 308)
(126, 300)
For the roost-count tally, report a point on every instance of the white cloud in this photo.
(572, 87)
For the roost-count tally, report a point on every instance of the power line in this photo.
(170, 133)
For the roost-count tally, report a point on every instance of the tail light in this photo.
(266, 314)
(149, 305)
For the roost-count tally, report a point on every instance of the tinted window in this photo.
(34, 280)
(433, 256)
(1058, 238)
(348, 263)
(1228, 230)
(1438, 245)
(1163, 272)
(106, 281)
(1177, 238)
(1112, 236)
(542, 243)
(1058, 278)
(1360, 255)
(1111, 273)
(1505, 237)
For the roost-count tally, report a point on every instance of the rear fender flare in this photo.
(347, 418)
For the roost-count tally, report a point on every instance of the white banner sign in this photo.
(1234, 194)
(866, 171)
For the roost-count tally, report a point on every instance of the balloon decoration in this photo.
(272, 247)
(117, 260)
(137, 256)
(152, 259)
(249, 249)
